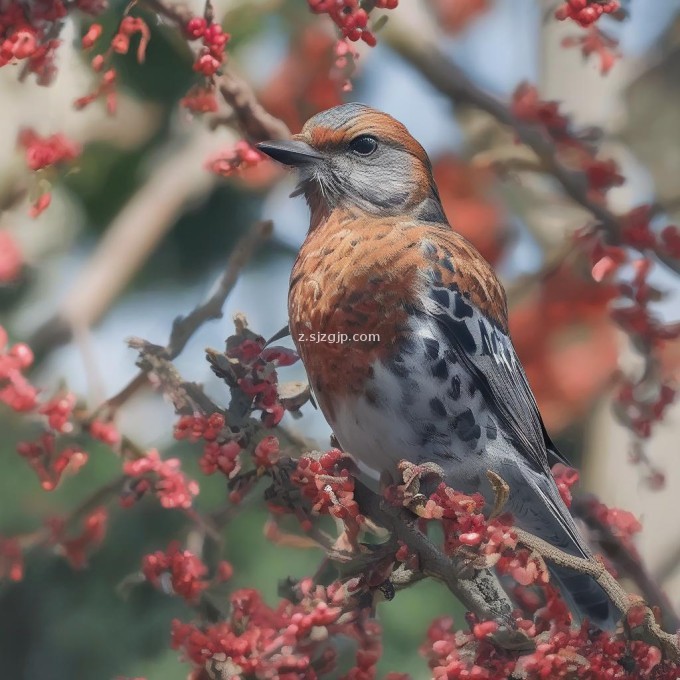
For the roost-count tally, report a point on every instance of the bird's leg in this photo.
(501, 490)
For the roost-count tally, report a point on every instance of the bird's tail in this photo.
(582, 593)
(585, 597)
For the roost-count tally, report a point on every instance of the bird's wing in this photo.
(464, 299)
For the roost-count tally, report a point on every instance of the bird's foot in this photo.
(413, 477)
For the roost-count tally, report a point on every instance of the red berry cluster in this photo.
(200, 100)
(238, 157)
(266, 452)
(219, 453)
(527, 106)
(23, 36)
(186, 571)
(15, 390)
(634, 315)
(255, 367)
(172, 487)
(350, 17)
(104, 431)
(328, 485)
(594, 41)
(461, 516)
(59, 411)
(290, 642)
(28, 32)
(642, 402)
(45, 457)
(586, 12)
(49, 463)
(211, 55)
(129, 27)
(565, 653)
(44, 152)
(93, 34)
(524, 567)
(601, 175)
(565, 477)
(222, 457)
(623, 524)
(639, 408)
(637, 232)
(632, 312)
(197, 427)
(106, 87)
(107, 84)
(76, 548)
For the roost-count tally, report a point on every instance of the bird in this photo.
(425, 369)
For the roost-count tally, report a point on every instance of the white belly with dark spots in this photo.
(419, 406)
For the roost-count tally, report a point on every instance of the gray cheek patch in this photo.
(376, 185)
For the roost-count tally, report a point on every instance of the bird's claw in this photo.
(410, 490)
(501, 490)
(412, 475)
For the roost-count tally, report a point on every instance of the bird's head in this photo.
(355, 156)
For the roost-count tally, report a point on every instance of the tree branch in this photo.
(478, 590)
(184, 327)
(450, 80)
(649, 630)
(628, 562)
(253, 119)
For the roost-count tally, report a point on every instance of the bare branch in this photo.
(185, 326)
(255, 122)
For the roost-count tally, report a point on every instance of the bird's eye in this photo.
(364, 145)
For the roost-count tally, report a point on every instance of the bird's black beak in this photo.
(290, 152)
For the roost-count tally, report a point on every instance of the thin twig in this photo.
(185, 326)
(96, 498)
(253, 119)
(628, 562)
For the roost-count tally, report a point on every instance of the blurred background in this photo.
(139, 229)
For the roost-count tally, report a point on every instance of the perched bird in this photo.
(426, 371)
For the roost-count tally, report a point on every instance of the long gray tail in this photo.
(585, 598)
(539, 509)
